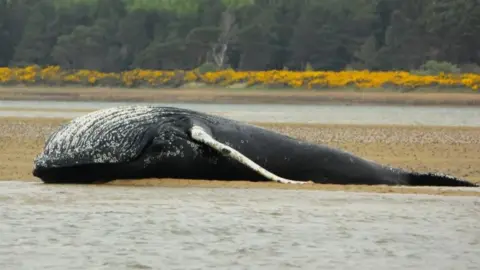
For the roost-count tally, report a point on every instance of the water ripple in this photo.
(80, 227)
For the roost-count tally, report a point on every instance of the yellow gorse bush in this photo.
(54, 75)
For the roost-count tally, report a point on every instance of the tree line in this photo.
(117, 35)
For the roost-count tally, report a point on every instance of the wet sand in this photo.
(452, 150)
(432, 97)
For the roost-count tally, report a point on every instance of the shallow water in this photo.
(322, 114)
(113, 227)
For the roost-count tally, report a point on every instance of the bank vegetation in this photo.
(55, 76)
(420, 37)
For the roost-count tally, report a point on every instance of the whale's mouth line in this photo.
(46, 165)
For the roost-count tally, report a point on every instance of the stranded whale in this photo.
(148, 141)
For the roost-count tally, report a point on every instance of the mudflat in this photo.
(426, 97)
(451, 150)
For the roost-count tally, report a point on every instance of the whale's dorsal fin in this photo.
(200, 135)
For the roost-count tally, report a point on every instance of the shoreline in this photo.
(375, 189)
(240, 96)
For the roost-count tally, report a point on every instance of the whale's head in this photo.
(102, 143)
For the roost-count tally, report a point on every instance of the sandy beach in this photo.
(452, 150)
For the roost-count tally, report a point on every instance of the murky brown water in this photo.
(113, 227)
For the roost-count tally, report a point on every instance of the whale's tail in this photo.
(434, 179)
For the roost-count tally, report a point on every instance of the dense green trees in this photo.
(114, 35)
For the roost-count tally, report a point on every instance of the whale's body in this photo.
(147, 141)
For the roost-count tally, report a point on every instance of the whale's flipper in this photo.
(200, 135)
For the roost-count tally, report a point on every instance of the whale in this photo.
(152, 141)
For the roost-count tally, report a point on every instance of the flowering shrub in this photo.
(54, 75)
